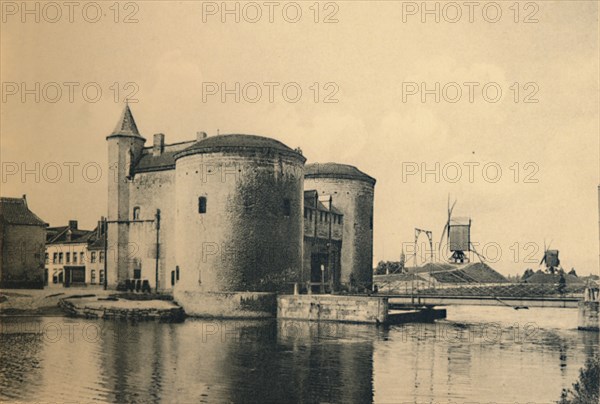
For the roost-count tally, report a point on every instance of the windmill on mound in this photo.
(550, 258)
(457, 232)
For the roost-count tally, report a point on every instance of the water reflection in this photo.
(60, 359)
(20, 366)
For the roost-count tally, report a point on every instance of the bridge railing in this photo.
(507, 290)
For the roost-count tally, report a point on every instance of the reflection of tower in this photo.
(124, 148)
(134, 361)
(345, 370)
(353, 193)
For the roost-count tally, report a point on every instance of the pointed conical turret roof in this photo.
(126, 125)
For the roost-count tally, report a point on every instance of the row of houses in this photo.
(74, 257)
(34, 255)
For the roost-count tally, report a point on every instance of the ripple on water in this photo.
(276, 361)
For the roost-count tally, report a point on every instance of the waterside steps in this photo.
(352, 309)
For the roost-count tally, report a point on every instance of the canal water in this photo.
(478, 355)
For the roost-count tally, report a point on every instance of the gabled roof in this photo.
(60, 235)
(15, 211)
(126, 125)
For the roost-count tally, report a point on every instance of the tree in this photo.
(562, 283)
(528, 273)
(389, 267)
(587, 388)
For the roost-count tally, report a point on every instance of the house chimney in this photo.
(73, 224)
(159, 144)
(25, 198)
(200, 136)
(99, 229)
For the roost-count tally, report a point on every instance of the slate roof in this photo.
(165, 161)
(59, 235)
(336, 170)
(97, 240)
(126, 124)
(15, 211)
(97, 245)
(309, 202)
(237, 142)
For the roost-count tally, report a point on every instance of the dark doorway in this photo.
(316, 261)
(74, 275)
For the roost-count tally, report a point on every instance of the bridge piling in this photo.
(589, 308)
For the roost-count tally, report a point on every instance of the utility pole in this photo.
(329, 263)
(105, 230)
(314, 240)
(157, 221)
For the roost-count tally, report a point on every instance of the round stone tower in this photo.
(125, 146)
(239, 214)
(352, 193)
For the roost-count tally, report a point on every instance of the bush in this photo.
(587, 389)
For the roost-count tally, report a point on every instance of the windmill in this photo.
(550, 258)
(457, 231)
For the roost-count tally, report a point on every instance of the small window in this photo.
(93, 276)
(93, 259)
(202, 204)
(101, 277)
(60, 258)
(137, 274)
(55, 259)
(68, 258)
(287, 207)
(177, 273)
(172, 278)
(74, 258)
(47, 258)
(101, 256)
(81, 257)
(136, 213)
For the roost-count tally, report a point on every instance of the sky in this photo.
(495, 106)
